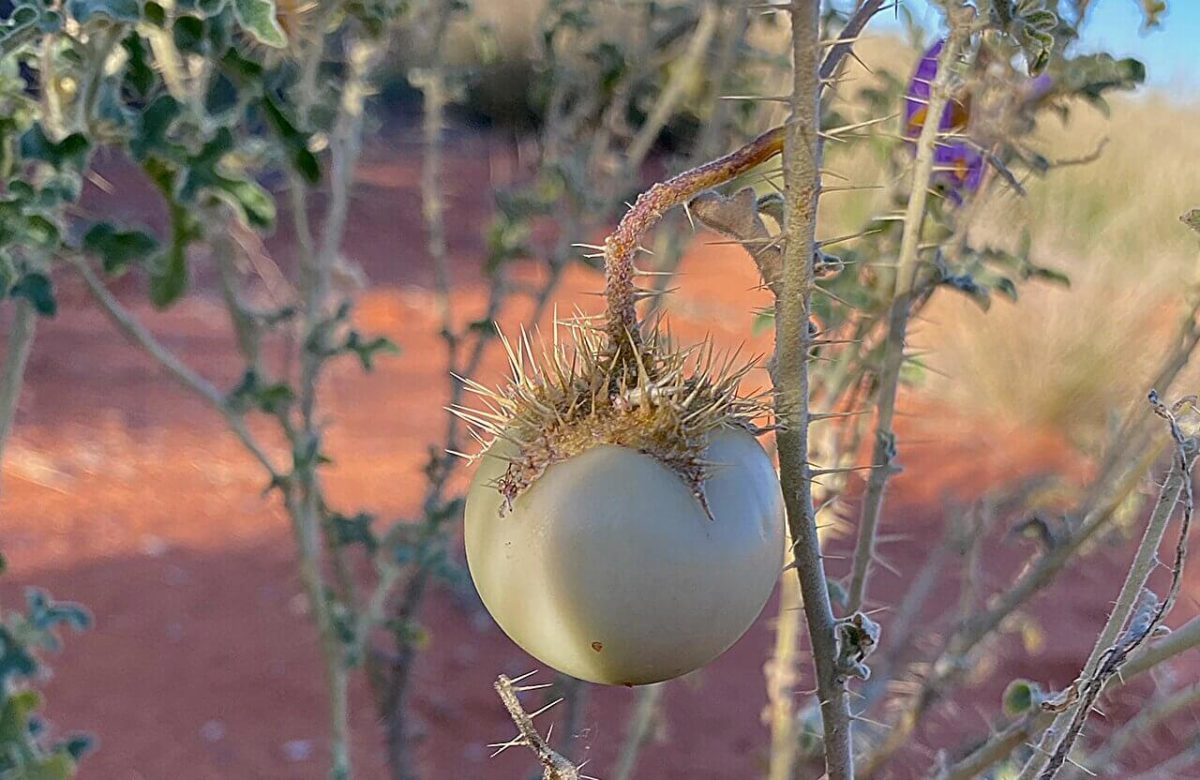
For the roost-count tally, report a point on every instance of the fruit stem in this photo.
(619, 248)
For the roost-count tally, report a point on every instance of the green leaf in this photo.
(36, 288)
(268, 398)
(118, 249)
(303, 159)
(14, 718)
(1050, 275)
(188, 32)
(169, 274)
(8, 274)
(45, 613)
(255, 205)
(205, 8)
(15, 661)
(128, 11)
(59, 766)
(72, 150)
(354, 530)
(155, 14)
(156, 121)
(50, 23)
(366, 350)
(258, 17)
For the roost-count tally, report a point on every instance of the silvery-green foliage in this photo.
(26, 636)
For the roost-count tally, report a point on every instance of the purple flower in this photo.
(960, 164)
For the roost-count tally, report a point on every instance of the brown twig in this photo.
(620, 247)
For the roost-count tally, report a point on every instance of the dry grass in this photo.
(1073, 358)
(1066, 359)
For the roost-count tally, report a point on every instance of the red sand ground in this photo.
(125, 493)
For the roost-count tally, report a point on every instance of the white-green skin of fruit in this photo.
(608, 569)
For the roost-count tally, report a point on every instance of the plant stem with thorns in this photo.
(620, 291)
(554, 765)
(1127, 627)
(793, 340)
(884, 454)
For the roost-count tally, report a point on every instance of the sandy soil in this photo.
(124, 493)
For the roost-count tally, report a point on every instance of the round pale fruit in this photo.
(608, 569)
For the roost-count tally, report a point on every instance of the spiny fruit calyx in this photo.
(649, 396)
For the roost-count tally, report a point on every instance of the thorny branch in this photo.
(554, 765)
(1026, 728)
(1138, 610)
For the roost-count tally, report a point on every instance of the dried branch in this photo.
(554, 765)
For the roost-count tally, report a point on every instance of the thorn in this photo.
(525, 676)
(523, 688)
(859, 125)
(769, 98)
(554, 703)
(848, 237)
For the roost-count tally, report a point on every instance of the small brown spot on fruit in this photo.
(597, 646)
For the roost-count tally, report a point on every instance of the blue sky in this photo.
(1171, 52)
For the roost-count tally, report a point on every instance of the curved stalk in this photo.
(621, 292)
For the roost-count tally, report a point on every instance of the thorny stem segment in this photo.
(1023, 730)
(554, 765)
(1138, 611)
(793, 340)
(889, 374)
(620, 247)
